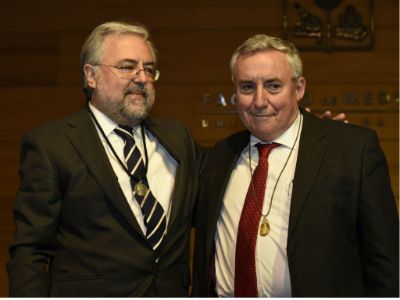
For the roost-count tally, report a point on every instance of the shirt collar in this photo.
(105, 122)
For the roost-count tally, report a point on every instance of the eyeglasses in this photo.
(133, 71)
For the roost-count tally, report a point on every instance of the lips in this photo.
(137, 93)
(257, 115)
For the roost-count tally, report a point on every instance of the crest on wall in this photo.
(329, 25)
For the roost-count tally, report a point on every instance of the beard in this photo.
(137, 109)
(131, 108)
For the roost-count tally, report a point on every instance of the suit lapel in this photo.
(227, 157)
(174, 147)
(312, 148)
(87, 143)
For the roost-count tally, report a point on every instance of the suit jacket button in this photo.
(155, 273)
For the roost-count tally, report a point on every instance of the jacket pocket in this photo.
(82, 287)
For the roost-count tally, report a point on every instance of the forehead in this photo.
(264, 64)
(126, 46)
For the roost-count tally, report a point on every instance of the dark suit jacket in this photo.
(71, 212)
(343, 226)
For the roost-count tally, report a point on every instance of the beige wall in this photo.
(40, 79)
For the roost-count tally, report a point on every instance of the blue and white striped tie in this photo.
(154, 215)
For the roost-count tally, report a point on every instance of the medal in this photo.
(140, 189)
(264, 228)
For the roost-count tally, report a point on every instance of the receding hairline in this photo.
(262, 42)
(249, 54)
(116, 35)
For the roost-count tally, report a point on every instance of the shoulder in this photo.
(55, 136)
(52, 137)
(168, 124)
(174, 136)
(233, 142)
(228, 149)
(335, 129)
(167, 128)
(343, 139)
(58, 126)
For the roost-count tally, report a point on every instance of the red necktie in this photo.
(245, 264)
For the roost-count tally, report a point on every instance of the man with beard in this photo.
(105, 203)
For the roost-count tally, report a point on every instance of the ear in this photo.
(300, 88)
(90, 75)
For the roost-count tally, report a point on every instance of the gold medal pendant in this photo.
(264, 228)
(140, 189)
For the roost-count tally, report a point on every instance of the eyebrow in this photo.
(273, 80)
(264, 81)
(133, 61)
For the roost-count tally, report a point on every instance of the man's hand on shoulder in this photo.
(327, 115)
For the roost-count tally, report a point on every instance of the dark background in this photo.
(40, 78)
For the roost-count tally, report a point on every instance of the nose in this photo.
(260, 97)
(140, 76)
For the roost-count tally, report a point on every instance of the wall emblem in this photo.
(329, 25)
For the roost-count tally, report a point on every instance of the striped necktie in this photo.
(154, 215)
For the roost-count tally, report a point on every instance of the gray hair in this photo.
(262, 42)
(93, 47)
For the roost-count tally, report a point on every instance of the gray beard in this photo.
(136, 117)
(120, 114)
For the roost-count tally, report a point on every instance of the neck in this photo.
(118, 116)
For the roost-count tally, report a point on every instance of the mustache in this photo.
(138, 90)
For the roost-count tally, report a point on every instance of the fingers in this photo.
(340, 117)
(326, 115)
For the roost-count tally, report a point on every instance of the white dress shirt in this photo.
(271, 260)
(161, 165)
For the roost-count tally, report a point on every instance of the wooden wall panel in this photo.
(31, 60)
(40, 79)
(64, 15)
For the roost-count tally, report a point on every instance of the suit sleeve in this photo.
(378, 224)
(35, 211)
(201, 153)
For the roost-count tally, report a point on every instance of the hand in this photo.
(327, 115)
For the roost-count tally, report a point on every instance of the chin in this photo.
(138, 116)
(262, 133)
(134, 114)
